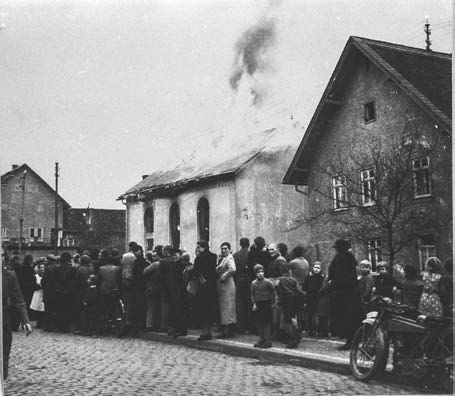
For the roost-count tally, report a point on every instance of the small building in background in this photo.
(100, 228)
(25, 194)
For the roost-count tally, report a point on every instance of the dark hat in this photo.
(342, 244)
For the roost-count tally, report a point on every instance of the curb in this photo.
(276, 355)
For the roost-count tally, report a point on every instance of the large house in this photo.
(375, 160)
(234, 191)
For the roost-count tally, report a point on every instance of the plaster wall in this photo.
(221, 198)
(265, 206)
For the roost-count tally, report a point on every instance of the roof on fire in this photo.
(425, 76)
(223, 161)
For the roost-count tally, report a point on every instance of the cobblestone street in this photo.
(65, 364)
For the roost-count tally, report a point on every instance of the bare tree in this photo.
(376, 190)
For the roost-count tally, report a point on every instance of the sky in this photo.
(113, 90)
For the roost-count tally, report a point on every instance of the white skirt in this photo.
(37, 303)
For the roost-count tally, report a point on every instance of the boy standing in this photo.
(366, 283)
(263, 298)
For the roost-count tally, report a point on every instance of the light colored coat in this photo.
(226, 290)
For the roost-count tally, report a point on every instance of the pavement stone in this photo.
(64, 364)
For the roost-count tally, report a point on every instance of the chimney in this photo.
(144, 177)
(15, 166)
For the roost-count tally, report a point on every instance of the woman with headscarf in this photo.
(430, 301)
(346, 307)
(225, 286)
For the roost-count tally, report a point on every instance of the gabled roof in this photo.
(23, 167)
(424, 76)
(216, 163)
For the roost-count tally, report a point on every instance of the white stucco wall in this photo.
(221, 198)
(135, 223)
(265, 206)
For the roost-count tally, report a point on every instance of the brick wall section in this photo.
(346, 132)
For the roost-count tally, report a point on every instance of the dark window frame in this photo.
(369, 112)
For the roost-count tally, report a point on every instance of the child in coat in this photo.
(311, 285)
(385, 284)
(263, 298)
(366, 283)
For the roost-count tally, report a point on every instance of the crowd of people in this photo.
(261, 289)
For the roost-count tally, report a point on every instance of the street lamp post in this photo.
(21, 220)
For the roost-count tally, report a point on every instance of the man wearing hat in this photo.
(344, 291)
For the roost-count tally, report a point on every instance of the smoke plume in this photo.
(251, 57)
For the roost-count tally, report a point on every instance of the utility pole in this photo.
(56, 210)
(21, 220)
(427, 31)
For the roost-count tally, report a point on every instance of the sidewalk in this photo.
(312, 352)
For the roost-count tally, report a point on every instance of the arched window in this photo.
(203, 219)
(149, 228)
(174, 225)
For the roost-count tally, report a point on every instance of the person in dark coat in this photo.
(344, 291)
(258, 253)
(311, 285)
(66, 292)
(411, 287)
(26, 278)
(323, 312)
(243, 277)
(164, 270)
(49, 284)
(108, 282)
(11, 296)
(89, 306)
(446, 287)
(206, 300)
(139, 290)
(84, 270)
(177, 303)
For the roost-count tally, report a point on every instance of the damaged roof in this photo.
(424, 76)
(222, 161)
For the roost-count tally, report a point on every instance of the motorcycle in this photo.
(422, 345)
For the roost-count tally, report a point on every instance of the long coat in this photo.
(346, 308)
(206, 302)
(226, 290)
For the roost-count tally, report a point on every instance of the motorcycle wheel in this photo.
(119, 319)
(369, 353)
(446, 356)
